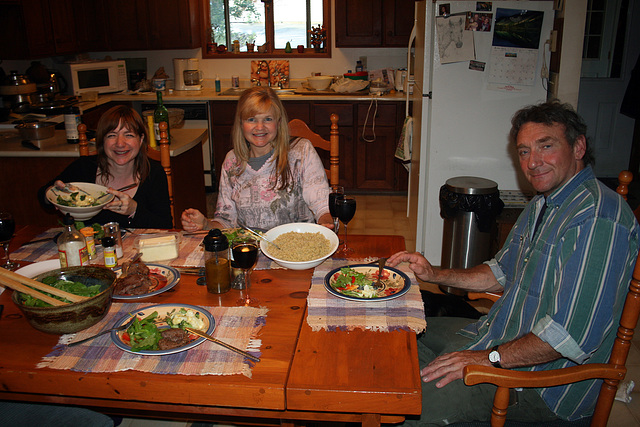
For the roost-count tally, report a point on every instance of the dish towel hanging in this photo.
(403, 150)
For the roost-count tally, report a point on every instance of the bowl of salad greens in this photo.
(82, 200)
(90, 281)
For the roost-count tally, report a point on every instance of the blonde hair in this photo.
(262, 100)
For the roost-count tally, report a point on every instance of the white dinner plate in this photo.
(163, 310)
(32, 270)
(169, 275)
(396, 283)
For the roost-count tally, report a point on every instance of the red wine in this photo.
(333, 197)
(245, 255)
(7, 227)
(346, 209)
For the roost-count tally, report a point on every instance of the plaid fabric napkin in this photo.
(238, 326)
(40, 251)
(190, 253)
(326, 311)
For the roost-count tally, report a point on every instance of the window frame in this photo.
(309, 52)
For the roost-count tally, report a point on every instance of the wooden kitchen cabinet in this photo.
(40, 28)
(365, 166)
(36, 28)
(147, 24)
(373, 23)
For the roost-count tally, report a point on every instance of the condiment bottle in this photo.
(71, 122)
(88, 233)
(216, 262)
(110, 257)
(72, 248)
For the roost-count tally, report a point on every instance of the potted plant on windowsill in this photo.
(318, 37)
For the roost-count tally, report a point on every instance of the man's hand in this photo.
(449, 366)
(418, 264)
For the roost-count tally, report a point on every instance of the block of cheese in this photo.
(158, 247)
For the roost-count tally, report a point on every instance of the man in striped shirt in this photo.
(564, 271)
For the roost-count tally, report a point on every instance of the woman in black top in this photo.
(121, 143)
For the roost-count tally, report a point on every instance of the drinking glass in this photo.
(245, 255)
(337, 192)
(346, 208)
(7, 228)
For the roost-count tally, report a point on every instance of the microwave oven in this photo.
(100, 76)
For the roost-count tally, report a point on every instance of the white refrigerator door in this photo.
(465, 129)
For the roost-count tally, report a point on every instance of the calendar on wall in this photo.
(514, 66)
(514, 50)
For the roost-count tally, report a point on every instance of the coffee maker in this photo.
(187, 74)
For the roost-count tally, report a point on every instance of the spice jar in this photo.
(216, 262)
(110, 256)
(88, 233)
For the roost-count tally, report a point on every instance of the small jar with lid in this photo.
(109, 247)
(216, 262)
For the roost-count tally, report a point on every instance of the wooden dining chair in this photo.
(161, 154)
(298, 128)
(624, 180)
(612, 372)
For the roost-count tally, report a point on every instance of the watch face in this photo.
(494, 357)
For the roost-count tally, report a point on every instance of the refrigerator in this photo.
(464, 86)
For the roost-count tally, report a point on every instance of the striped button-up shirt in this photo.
(567, 284)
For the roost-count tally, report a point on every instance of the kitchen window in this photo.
(264, 27)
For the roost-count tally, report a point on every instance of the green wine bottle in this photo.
(161, 114)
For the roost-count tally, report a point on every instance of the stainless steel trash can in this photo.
(469, 206)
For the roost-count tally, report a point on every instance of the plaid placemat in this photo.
(238, 326)
(40, 251)
(190, 253)
(326, 311)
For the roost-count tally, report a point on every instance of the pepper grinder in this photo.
(216, 262)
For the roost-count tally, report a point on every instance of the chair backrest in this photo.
(162, 154)
(298, 128)
(624, 179)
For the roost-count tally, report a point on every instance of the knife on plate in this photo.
(222, 343)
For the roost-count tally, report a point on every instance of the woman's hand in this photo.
(123, 204)
(326, 221)
(193, 220)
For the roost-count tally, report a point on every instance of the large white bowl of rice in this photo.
(302, 245)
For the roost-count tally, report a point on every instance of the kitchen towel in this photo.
(326, 311)
(238, 326)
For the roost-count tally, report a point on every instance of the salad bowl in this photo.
(83, 204)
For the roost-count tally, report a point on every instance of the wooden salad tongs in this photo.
(26, 285)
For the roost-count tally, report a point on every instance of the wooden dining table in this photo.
(303, 375)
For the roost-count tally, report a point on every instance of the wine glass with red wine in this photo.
(346, 208)
(337, 192)
(7, 228)
(245, 255)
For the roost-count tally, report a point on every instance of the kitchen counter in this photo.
(10, 144)
(209, 94)
(28, 170)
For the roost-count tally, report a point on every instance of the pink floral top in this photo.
(251, 198)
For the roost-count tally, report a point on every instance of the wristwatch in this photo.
(494, 357)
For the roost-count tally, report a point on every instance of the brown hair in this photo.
(551, 112)
(261, 100)
(131, 120)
